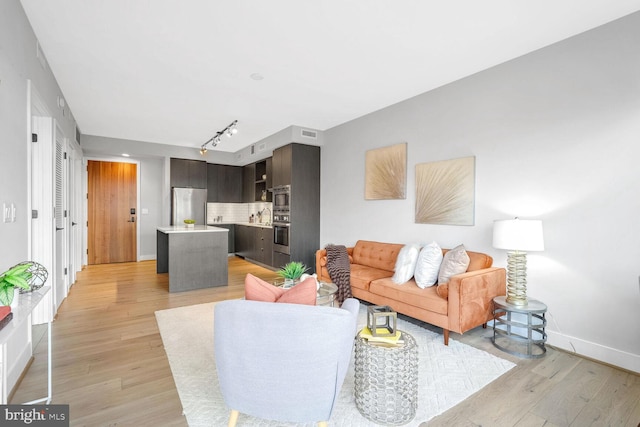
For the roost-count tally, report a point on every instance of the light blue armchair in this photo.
(283, 362)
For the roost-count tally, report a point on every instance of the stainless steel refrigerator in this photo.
(188, 203)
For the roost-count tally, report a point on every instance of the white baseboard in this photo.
(612, 356)
(147, 257)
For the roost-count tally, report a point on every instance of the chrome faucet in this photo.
(268, 222)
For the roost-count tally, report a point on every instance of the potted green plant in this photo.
(291, 272)
(13, 279)
(189, 222)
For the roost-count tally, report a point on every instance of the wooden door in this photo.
(112, 197)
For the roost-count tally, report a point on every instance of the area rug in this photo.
(447, 374)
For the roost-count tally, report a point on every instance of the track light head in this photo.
(215, 140)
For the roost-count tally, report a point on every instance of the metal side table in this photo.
(386, 380)
(511, 334)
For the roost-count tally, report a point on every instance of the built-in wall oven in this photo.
(281, 236)
(281, 218)
(281, 197)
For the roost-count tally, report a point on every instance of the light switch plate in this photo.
(6, 212)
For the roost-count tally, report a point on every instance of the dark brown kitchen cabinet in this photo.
(263, 180)
(232, 236)
(282, 162)
(224, 183)
(254, 243)
(264, 245)
(248, 183)
(188, 173)
(212, 182)
(298, 165)
(244, 241)
(280, 259)
(230, 184)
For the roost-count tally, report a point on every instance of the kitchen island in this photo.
(194, 257)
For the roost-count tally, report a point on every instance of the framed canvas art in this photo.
(386, 173)
(445, 192)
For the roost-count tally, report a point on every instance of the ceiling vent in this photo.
(262, 146)
(309, 133)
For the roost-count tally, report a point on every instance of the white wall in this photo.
(105, 146)
(150, 215)
(18, 64)
(556, 137)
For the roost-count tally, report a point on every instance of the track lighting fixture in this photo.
(215, 140)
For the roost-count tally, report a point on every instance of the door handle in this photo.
(59, 228)
(133, 219)
(73, 223)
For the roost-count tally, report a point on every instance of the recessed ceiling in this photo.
(176, 71)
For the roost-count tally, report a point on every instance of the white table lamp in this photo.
(517, 236)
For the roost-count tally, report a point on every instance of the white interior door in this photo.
(71, 270)
(42, 202)
(75, 213)
(61, 219)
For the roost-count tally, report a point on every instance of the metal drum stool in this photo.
(386, 380)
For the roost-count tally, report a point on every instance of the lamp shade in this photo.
(518, 234)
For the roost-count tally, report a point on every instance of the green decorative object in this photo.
(292, 270)
(17, 276)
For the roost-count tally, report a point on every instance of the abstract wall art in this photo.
(445, 192)
(386, 173)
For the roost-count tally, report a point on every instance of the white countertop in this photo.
(250, 224)
(194, 229)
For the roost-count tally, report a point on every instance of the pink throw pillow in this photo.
(256, 289)
(302, 293)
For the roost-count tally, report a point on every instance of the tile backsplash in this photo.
(236, 212)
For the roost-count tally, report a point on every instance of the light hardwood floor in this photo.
(111, 368)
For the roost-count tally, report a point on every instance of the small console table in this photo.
(512, 334)
(21, 324)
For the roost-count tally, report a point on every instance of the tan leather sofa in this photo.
(462, 304)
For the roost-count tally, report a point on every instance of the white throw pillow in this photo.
(406, 264)
(456, 261)
(428, 265)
